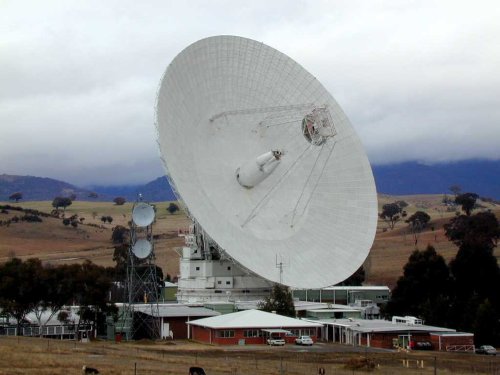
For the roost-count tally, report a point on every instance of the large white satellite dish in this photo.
(266, 162)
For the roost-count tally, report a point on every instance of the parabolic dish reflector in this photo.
(143, 214)
(142, 248)
(266, 162)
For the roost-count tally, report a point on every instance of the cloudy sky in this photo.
(419, 80)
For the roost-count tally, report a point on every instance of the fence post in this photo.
(435, 365)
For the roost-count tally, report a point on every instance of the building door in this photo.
(404, 341)
(165, 330)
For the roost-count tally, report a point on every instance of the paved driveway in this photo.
(319, 347)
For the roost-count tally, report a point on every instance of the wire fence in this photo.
(67, 356)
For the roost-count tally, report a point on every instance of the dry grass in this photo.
(52, 242)
(391, 248)
(42, 356)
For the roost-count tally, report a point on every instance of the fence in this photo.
(176, 358)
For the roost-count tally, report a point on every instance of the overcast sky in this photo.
(419, 80)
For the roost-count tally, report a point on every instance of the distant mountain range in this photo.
(478, 176)
(42, 189)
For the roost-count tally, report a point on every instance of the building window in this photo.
(197, 268)
(251, 333)
(308, 332)
(228, 282)
(229, 268)
(295, 332)
(226, 333)
(219, 282)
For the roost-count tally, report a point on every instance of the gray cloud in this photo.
(79, 79)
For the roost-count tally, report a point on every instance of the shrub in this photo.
(31, 218)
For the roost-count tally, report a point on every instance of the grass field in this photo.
(22, 355)
(52, 242)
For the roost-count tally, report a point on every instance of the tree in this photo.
(455, 189)
(19, 287)
(467, 201)
(479, 230)
(106, 218)
(172, 208)
(392, 213)
(280, 301)
(119, 201)
(120, 234)
(63, 316)
(61, 202)
(91, 284)
(423, 289)
(419, 219)
(120, 257)
(417, 222)
(475, 271)
(486, 326)
(16, 196)
(29, 286)
(55, 291)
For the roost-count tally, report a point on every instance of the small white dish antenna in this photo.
(143, 214)
(266, 161)
(142, 248)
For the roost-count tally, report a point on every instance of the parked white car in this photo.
(304, 340)
(486, 349)
(276, 341)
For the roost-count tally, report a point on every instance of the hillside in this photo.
(478, 176)
(53, 242)
(37, 188)
(44, 189)
(157, 190)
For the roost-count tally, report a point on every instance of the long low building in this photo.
(250, 327)
(404, 332)
(344, 294)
